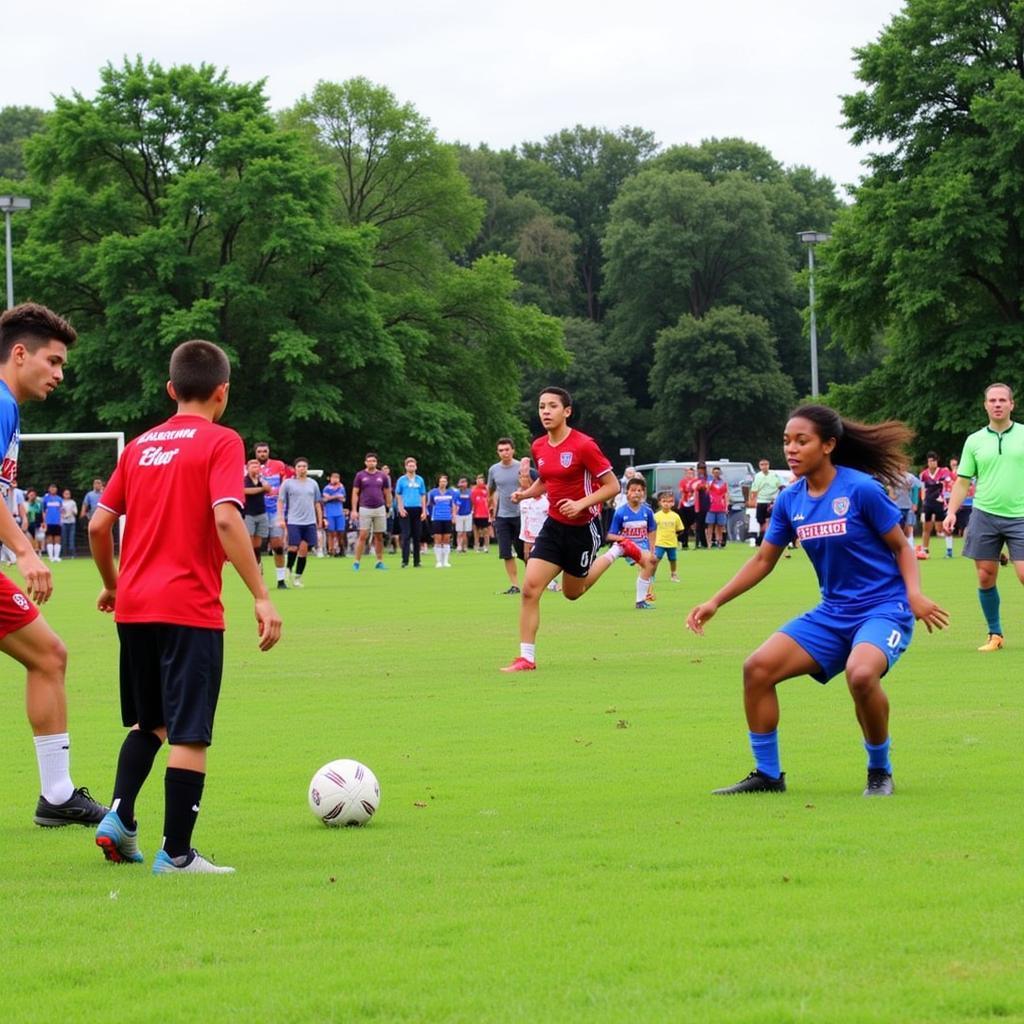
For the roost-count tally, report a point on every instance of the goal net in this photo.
(72, 462)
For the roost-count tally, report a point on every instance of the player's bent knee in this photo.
(862, 680)
(758, 672)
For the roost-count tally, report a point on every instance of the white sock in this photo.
(56, 549)
(49, 552)
(643, 588)
(54, 756)
(438, 557)
(949, 543)
(446, 553)
(614, 551)
(528, 651)
(280, 570)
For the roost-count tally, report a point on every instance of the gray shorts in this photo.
(373, 520)
(278, 532)
(986, 534)
(258, 526)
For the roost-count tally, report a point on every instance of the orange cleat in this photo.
(994, 643)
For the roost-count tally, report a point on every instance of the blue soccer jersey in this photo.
(634, 524)
(842, 533)
(442, 505)
(10, 436)
(53, 505)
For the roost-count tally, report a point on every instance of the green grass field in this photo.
(546, 848)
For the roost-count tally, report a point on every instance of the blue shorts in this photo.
(829, 637)
(298, 534)
(716, 519)
(660, 552)
(336, 524)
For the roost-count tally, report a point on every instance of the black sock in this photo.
(291, 559)
(300, 566)
(133, 766)
(183, 789)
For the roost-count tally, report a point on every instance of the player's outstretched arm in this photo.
(38, 578)
(238, 547)
(924, 608)
(752, 572)
(101, 544)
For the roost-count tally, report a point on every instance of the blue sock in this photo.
(878, 755)
(990, 608)
(765, 746)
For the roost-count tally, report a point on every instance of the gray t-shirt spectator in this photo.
(504, 480)
(902, 493)
(298, 499)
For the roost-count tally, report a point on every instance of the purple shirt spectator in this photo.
(371, 488)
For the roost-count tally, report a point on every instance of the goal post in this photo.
(72, 461)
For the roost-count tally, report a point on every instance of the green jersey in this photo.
(996, 461)
(767, 487)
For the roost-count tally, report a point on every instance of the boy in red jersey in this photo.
(578, 480)
(166, 600)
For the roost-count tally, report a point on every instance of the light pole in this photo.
(9, 205)
(811, 239)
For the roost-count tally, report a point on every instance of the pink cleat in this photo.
(521, 665)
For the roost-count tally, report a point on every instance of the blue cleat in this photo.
(380, 565)
(643, 606)
(355, 567)
(194, 863)
(118, 843)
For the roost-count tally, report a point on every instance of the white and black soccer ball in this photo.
(344, 792)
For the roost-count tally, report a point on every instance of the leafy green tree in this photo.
(17, 125)
(716, 380)
(176, 208)
(578, 173)
(931, 255)
(462, 338)
(680, 244)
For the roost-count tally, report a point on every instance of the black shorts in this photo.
(574, 548)
(933, 511)
(481, 522)
(53, 530)
(170, 675)
(438, 526)
(506, 530)
(763, 511)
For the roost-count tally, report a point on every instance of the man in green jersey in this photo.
(764, 489)
(994, 457)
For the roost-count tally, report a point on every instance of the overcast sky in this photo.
(771, 72)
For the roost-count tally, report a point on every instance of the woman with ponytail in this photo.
(870, 588)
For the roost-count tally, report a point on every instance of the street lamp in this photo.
(811, 239)
(9, 205)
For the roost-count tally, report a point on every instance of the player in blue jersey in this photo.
(870, 586)
(34, 344)
(634, 520)
(441, 505)
(334, 495)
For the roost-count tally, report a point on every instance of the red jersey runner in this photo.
(167, 483)
(570, 470)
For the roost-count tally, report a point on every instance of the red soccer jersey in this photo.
(718, 491)
(687, 491)
(166, 484)
(570, 470)
(481, 502)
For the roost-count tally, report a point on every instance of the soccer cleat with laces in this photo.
(193, 863)
(993, 643)
(879, 782)
(118, 842)
(512, 590)
(521, 665)
(755, 782)
(643, 606)
(78, 809)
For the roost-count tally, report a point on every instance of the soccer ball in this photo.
(344, 792)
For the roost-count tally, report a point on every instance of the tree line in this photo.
(378, 287)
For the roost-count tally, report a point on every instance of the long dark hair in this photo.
(875, 448)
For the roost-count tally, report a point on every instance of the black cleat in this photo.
(511, 590)
(281, 585)
(879, 782)
(755, 782)
(78, 809)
